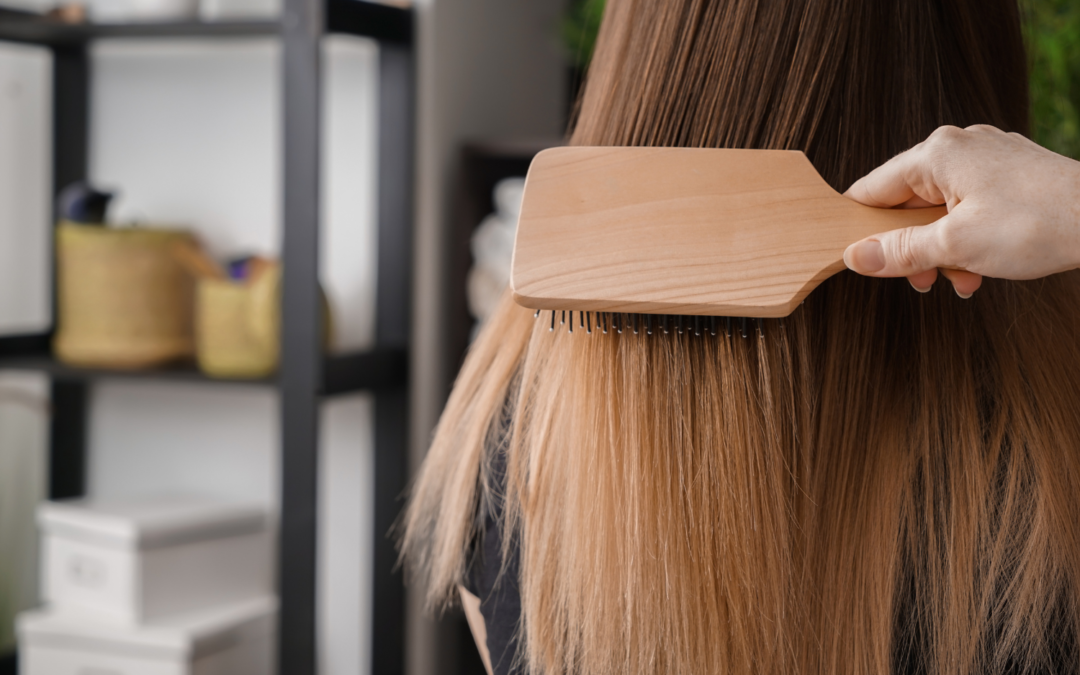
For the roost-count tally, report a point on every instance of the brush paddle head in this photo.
(684, 231)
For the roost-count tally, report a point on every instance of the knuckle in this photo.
(947, 134)
(943, 152)
(942, 143)
(905, 252)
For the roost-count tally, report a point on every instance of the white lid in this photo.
(149, 522)
(182, 637)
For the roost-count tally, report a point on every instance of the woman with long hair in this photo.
(885, 482)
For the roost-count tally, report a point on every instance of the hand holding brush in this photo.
(1013, 211)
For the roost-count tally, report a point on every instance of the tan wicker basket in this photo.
(237, 326)
(123, 300)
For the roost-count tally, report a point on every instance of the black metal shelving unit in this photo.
(306, 374)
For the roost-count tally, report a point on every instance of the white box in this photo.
(236, 639)
(135, 561)
(126, 11)
(238, 10)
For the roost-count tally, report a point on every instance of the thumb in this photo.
(899, 253)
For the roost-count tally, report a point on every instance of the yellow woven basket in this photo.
(123, 300)
(237, 326)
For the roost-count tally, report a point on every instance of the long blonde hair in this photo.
(887, 481)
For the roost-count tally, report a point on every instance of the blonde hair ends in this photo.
(889, 482)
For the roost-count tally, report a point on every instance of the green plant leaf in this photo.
(1052, 33)
(579, 29)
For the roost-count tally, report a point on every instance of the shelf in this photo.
(377, 369)
(342, 373)
(352, 17)
(386, 23)
(45, 32)
(305, 378)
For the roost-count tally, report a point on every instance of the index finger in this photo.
(896, 181)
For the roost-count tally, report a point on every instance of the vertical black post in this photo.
(67, 440)
(393, 309)
(394, 290)
(301, 357)
(388, 606)
(71, 102)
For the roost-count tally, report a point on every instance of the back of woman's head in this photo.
(884, 481)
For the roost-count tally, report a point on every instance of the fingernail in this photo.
(965, 296)
(865, 257)
(921, 290)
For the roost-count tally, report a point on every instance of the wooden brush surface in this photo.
(684, 231)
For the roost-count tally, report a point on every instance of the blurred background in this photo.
(1053, 39)
(244, 245)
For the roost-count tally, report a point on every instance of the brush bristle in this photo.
(695, 326)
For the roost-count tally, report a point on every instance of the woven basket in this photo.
(238, 326)
(123, 300)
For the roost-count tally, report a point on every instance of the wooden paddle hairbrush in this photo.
(682, 238)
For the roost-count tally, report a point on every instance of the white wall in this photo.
(151, 437)
(25, 184)
(24, 430)
(189, 132)
(346, 489)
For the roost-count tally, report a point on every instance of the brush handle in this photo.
(684, 231)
